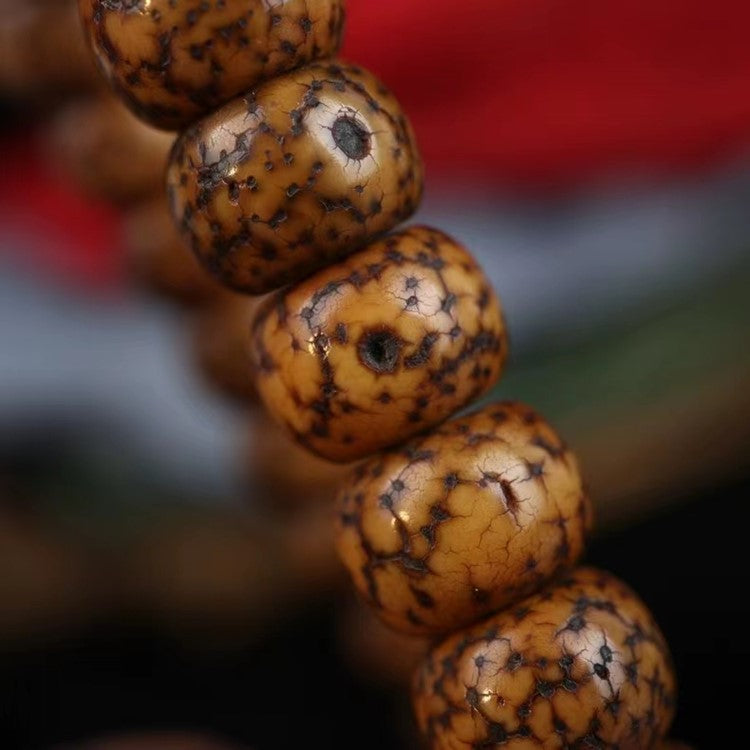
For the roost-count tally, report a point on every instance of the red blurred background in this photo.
(523, 96)
(541, 93)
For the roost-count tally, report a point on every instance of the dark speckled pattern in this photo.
(381, 346)
(463, 521)
(294, 175)
(581, 665)
(175, 60)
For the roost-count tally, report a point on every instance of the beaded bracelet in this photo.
(289, 179)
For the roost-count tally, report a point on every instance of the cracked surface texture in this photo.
(294, 175)
(463, 521)
(175, 60)
(385, 344)
(580, 665)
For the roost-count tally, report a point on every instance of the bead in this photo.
(221, 345)
(387, 343)
(293, 176)
(107, 152)
(463, 521)
(172, 61)
(282, 472)
(35, 36)
(582, 664)
(158, 259)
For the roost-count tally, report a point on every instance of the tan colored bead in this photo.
(108, 152)
(463, 521)
(221, 344)
(581, 664)
(175, 61)
(283, 473)
(159, 259)
(387, 343)
(295, 175)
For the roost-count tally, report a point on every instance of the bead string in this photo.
(291, 171)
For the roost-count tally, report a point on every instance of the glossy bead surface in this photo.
(463, 521)
(175, 60)
(582, 664)
(385, 344)
(293, 176)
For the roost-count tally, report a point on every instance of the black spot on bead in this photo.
(380, 350)
(351, 137)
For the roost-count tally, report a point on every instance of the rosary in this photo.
(292, 171)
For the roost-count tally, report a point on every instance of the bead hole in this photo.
(380, 350)
(351, 137)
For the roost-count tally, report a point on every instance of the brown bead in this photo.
(582, 664)
(375, 652)
(43, 53)
(221, 345)
(463, 521)
(283, 473)
(175, 61)
(387, 343)
(107, 152)
(293, 176)
(159, 259)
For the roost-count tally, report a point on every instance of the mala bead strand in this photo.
(295, 180)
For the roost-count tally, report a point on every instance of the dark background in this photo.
(293, 687)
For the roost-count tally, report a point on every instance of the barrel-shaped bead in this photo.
(294, 175)
(389, 342)
(582, 664)
(175, 60)
(470, 518)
